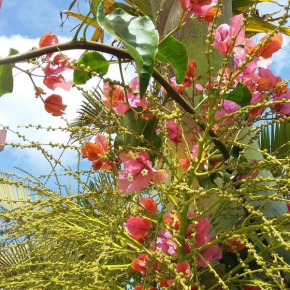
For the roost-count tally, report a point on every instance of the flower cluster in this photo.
(53, 76)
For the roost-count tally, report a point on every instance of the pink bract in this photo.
(138, 172)
(53, 82)
(224, 34)
(184, 268)
(137, 227)
(134, 100)
(165, 243)
(198, 7)
(283, 109)
(173, 132)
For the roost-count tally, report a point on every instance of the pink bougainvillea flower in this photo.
(209, 254)
(0, 4)
(246, 287)
(93, 151)
(227, 108)
(53, 82)
(140, 287)
(179, 88)
(288, 206)
(165, 244)
(172, 220)
(149, 204)
(114, 97)
(173, 132)
(54, 70)
(3, 134)
(135, 101)
(184, 268)
(273, 46)
(48, 39)
(210, 15)
(137, 227)
(235, 246)
(138, 172)
(184, 163)
(283, 109)
(140, 263)
(267, 80)
(53, 104)
(198, 7)
(201, 235)
(224, 34)
(264, 62)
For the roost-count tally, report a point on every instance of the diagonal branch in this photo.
(120, 53)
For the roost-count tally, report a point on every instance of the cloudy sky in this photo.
(22, 23)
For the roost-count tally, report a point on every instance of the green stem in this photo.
(75, 38)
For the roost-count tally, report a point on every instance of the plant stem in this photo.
(120, 53)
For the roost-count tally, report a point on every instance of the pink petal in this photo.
(184, 268)
(53, 82)
(236, 24)
(123, 182)
(140, 182)
(159, 176)
(264, 62)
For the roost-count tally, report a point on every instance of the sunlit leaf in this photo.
(95, 61)
(241, 95)
(138, 35)
(174, 52)
(6, 77)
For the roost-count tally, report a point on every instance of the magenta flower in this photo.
(213, 252)
(173, 132)
(138, 172)
(227, 108)
(288, 206)
(284, 109)
(165, 243)
(184, 268)
(224, 34)
(134, 100)
(198, 7)
(202, 238)
(137, 228)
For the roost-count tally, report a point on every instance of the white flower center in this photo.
(135, 156)
(130, 177)
(144, 172)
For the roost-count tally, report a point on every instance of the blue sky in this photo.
(22, 23)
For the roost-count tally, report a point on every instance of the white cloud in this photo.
(21, 108)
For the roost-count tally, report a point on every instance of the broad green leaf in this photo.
(241, 95)
(137, 125)
(6, 77)
(174, 52)
(95, 61)
(138, 35)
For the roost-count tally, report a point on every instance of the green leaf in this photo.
(174, 52)
(138, 35)
(94, 6)
(241, 95)
(6, 77)
(95, 61)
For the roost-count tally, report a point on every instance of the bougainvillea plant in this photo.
(179, 194)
